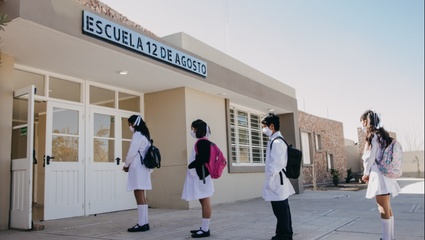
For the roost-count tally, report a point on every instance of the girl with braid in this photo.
(379, 186)
(139, 177)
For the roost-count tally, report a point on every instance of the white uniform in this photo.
(139, 177)
(194, 188)
(378, 183)
(276, 160)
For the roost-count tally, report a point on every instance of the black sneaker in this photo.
(138, 228)
(201, 233)
(195, 231)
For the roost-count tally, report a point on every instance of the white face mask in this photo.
(131, 128)
(192, 133)
(267, 131)
(364, 129)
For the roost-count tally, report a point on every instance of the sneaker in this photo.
(195, 231)
(201, 233)
(138, 228)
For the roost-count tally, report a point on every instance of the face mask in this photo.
(131, 128)
(364, 129)
(192, 133)
(267, 131)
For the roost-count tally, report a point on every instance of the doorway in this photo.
(53, 164)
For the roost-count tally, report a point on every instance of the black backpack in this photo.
(293, 166)
(152, 158)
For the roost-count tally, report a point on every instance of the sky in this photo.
(341, 57)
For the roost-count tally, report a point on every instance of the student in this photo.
(277, 187)
(139, 177)
(198, 184)
(379, 186)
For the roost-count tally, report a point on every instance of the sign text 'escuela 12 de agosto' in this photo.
(110, 31)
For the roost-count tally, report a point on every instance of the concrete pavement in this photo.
(316, 215)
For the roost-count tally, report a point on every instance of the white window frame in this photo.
(306, 143)
(318, 142)
(235, 144)
(329, 161)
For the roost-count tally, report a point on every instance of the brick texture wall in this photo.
(104, 9)
(332, 141)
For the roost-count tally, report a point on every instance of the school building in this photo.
(71, 74)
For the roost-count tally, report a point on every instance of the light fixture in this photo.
(123, 72)
(222, 94)
(270, 109)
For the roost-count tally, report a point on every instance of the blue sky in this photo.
(342, 57)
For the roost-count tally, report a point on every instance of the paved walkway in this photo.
(316, 215)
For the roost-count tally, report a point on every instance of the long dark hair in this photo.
(139, 125)
(373, 126)
(201, 128)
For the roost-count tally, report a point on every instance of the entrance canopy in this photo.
(47, 35)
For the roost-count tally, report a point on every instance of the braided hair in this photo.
(139, 125)
(374, 126)
(201, 127)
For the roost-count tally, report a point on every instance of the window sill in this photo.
(239, 168)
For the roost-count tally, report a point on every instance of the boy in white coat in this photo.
(277, 187)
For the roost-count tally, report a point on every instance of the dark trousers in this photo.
(284, 223)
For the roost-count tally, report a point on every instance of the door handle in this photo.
(48, 159)
(118, 160)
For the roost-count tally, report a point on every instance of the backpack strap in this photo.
(141, 158)
(283, 169)
(203, 173)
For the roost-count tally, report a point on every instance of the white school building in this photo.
(71, 74)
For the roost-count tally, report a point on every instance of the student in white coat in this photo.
(198, 184)
(379, 186)
(139, 177)
(277, 187)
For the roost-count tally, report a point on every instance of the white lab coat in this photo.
(194, 188)
(139, 177)
(276, 160)
(378, 184)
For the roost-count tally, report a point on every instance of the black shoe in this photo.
(138, 228)
(201, 233)
(276, 238)
(195, 231)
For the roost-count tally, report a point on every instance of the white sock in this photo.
(146, 213)
(141, 213)
(386, 228)
(392, 228)
(205, 224)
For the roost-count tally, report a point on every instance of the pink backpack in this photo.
(217, 161)
(392, 159)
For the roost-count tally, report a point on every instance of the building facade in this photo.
(72, 73)
(323, 147)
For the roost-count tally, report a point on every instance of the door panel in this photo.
(64, 178)
(22, 165)
(107, 185)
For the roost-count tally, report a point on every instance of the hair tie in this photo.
(137, 122)
(378, 121)
(207, 131)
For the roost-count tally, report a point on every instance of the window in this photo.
(102, 97)
(49, 86)
(128, 102)
(305, 145)
(248, 144)
(110, 98)
(318, 141)
(330, 161)
(64, 89)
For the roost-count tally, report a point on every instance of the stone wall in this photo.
(332, 141)
(104, 9)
